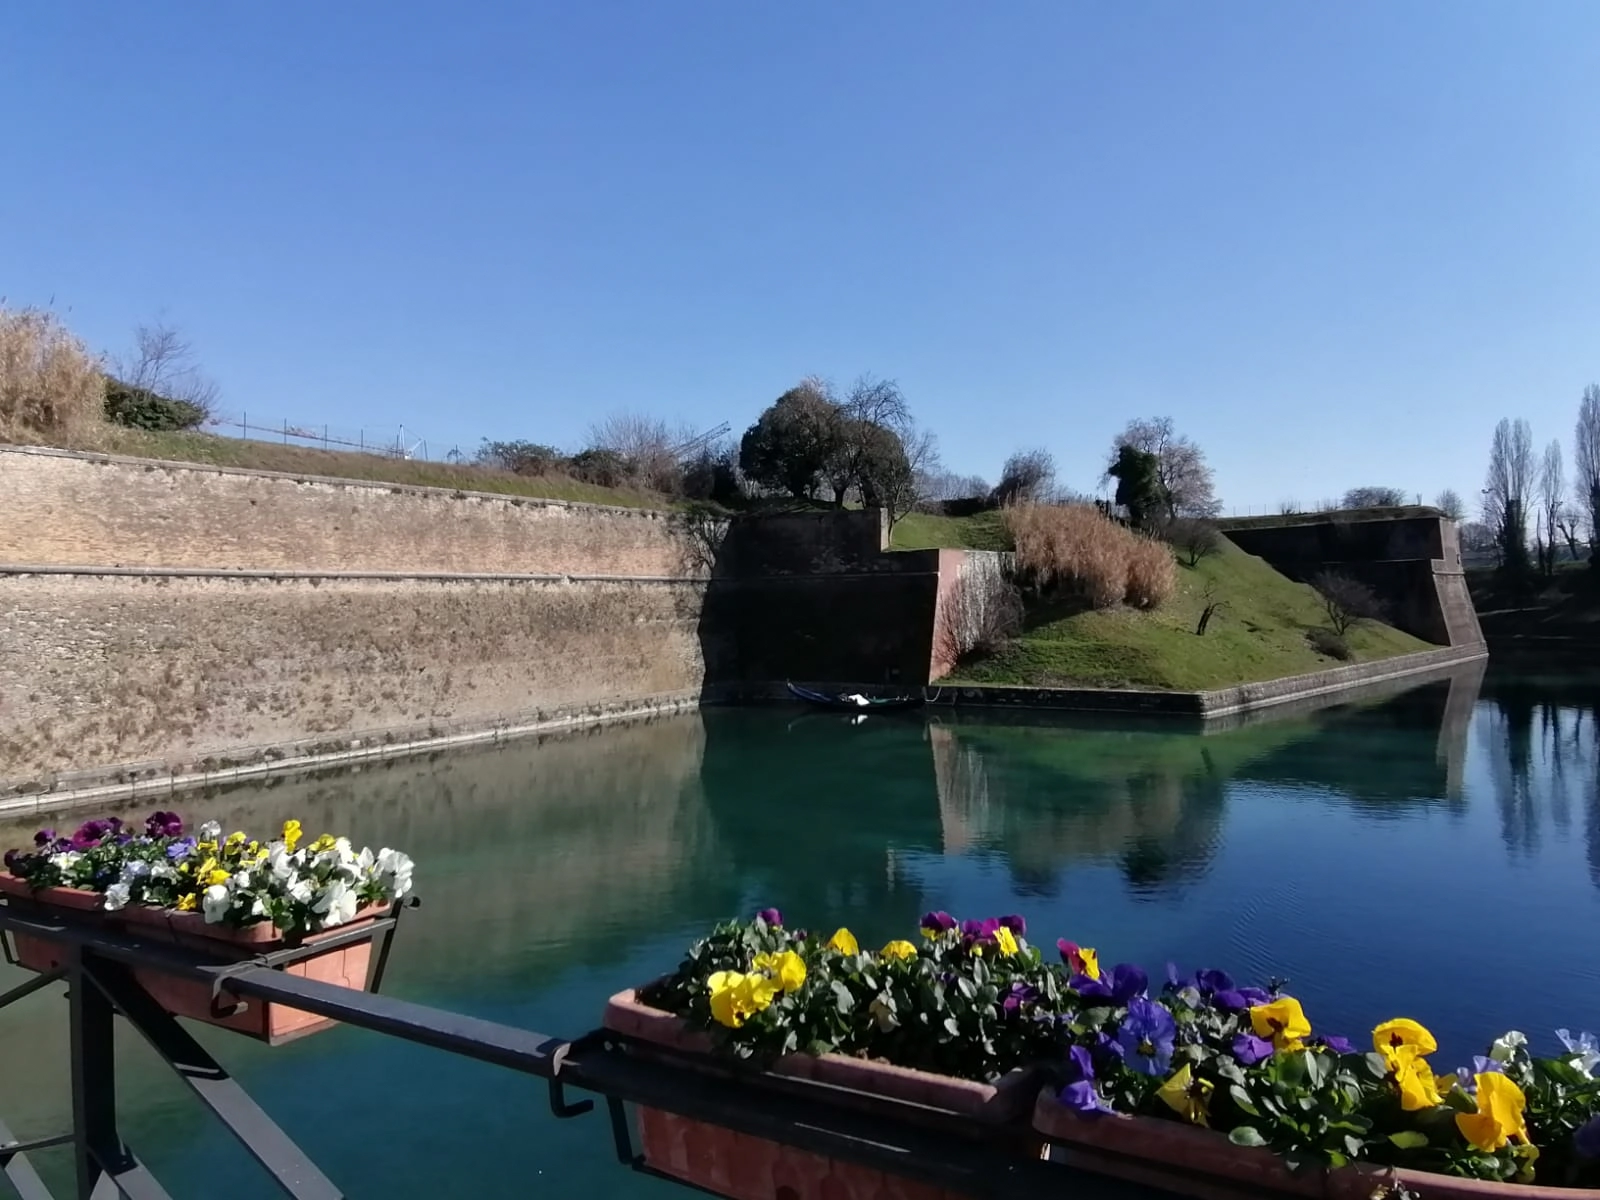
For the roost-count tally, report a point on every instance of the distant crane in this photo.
(699, 442)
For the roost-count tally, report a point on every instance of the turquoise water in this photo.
(1433, 853)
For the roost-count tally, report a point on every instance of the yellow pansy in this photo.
(900, 950)
(325, 842)
(1500, 1113)
(1007, 942)
(724, 988)
(844, 942)
(235, 840)
(291, 835)
(188, 902)
(1526, 1154)
(216, 877)
(787, 967)
(1419, 1087)
(1091, 962)
(1282, 1020)
(1401, 1033)
(1187, 1096)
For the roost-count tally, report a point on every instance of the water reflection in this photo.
(1044, 792)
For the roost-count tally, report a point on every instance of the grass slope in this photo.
(212, 450)
(1259, 634)
(924, 531)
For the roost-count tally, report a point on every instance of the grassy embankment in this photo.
(1259, 633)
(213, 450)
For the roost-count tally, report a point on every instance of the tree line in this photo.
(1526, 492)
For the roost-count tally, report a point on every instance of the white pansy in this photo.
(216, 902)
(135, 868)
(366, 862)
(65, 861)
(117, 896)
(163, 871)
(337, 903)
(301, 891)
(210, 831)
(1505, 1046)
(1585, 1051)
(394, 871)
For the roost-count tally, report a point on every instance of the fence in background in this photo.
(399, 442)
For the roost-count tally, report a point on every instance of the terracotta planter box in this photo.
(1191, 1161)
(347, 965)
(751, 1168)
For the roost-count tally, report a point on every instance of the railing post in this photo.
(94, 1074)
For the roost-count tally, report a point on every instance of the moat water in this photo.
(1432, 853)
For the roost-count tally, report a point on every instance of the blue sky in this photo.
(1335, 242)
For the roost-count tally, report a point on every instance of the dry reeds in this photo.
(51, 387)
(1072, 551)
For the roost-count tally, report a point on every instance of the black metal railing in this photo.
(99, 974)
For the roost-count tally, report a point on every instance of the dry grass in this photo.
(51, 387)
(1075, 553)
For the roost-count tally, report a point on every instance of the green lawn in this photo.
(923, 531)
(1258, 634)
(302, 460)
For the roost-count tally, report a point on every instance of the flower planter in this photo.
(346, 965)
(750, 1168)
(1192, 1161)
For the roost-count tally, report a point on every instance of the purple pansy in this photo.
(1016, 924)
(163, 824)
(1250, 1049)
(939, 922)
(1338, 1045)
(1212, 982)
(181, 849)
(1016, 996)
(1239, 999)
(1146, 1035)
(11, 858)
(44, 837)
(1121, 984)
(771, 917)
(1468, 1076)
(1079, 1093)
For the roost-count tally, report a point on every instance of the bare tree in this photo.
(1212, 605)
(1506, 491)
(1373, 497)
(1586, 463)
(1028, 475)
(1181, 469)
(1346, 600)
(1552, 494)
(163, 363)
(1450, 504)
(1192, 538)
(647, 446)
(1288, 507)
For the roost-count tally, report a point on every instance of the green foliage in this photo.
(1334, 645)
(520, 457)
(140, 408)
(603, 468)
(792, 442)
(1139, 488)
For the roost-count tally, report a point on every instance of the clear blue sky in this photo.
(1336, 242)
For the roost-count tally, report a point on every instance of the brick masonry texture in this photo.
(97, 670)
(83, 510)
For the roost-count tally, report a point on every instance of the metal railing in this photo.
(99, 974)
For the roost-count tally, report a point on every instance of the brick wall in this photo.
(104, 669)
(86, 510)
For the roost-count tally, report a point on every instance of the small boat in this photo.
(854, 701)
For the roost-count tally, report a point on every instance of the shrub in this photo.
(980, 613)
(603, 468)
(1027, 478)
(50, 385)
(520, 457)
(1076, 553)
(1192, 539)
(1151, 576)
(1346, 600)
(139, 408)
(1325, 641)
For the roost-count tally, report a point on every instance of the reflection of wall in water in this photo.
(517, 845)
(1159, 826)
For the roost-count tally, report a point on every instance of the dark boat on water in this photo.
(854, 702)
